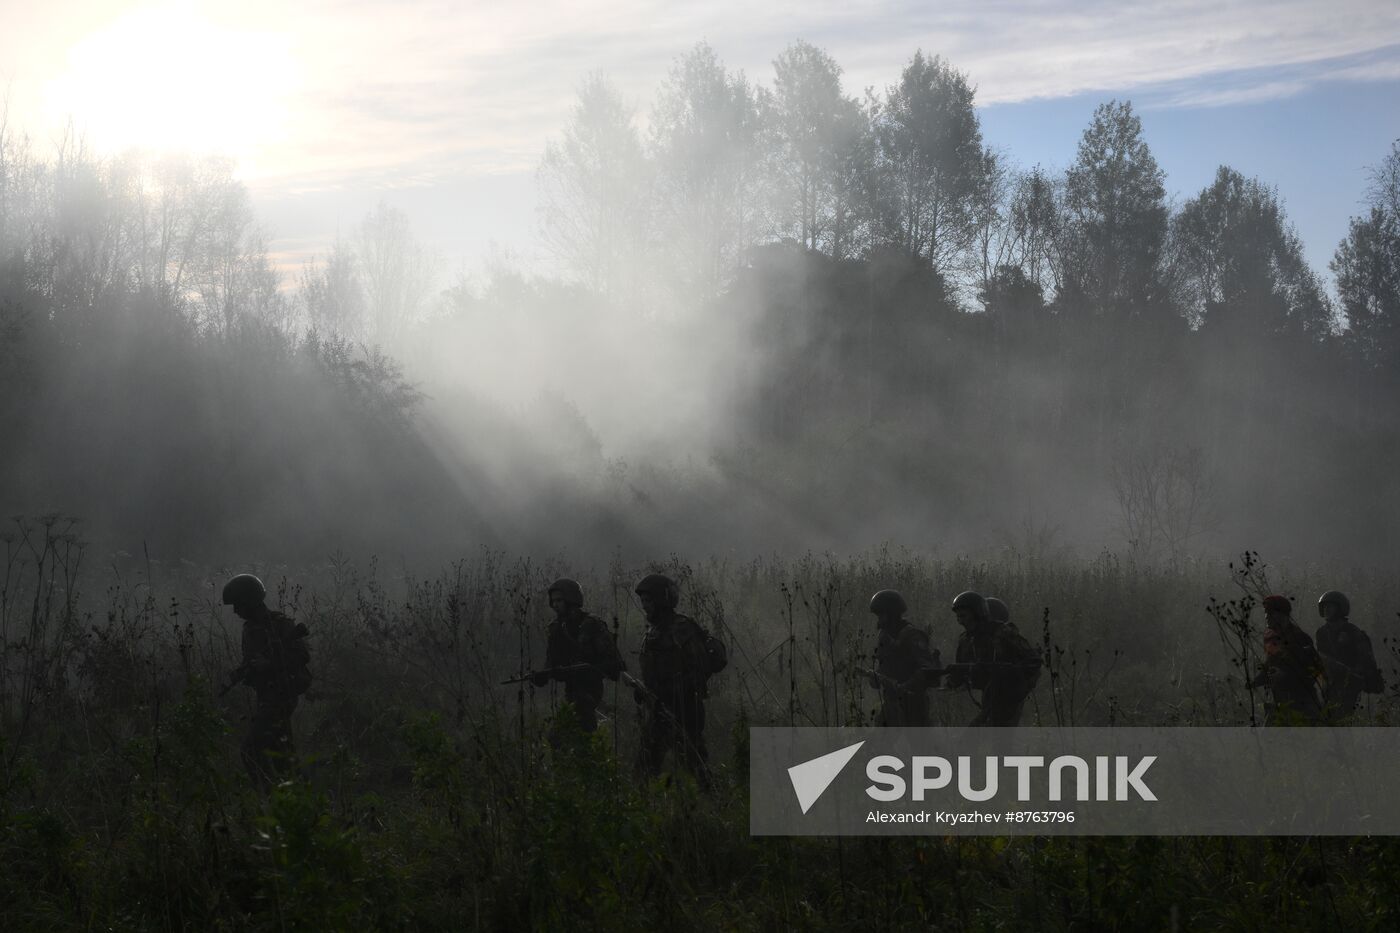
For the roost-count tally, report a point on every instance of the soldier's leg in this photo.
(656, 738)
(696, 755)
(587, 712)
(585, 709)
(890, 712)
(251, 753)
(282, 753)
(915, 710)
(269, 750)
(259, 745)
(578, 714)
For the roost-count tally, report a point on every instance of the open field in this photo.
(432, 799)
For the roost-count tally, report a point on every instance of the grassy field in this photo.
(432, 799)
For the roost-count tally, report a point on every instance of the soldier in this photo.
(903, 663)
(677, 661)
(1291, 667)
(275, 665)
(992, 657)
(1346, 652)
(580, 652)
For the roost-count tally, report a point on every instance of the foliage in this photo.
(1367, 266)
(424, 807)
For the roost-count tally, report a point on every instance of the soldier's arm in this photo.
(1312, 662)
(1346, 660)
(235, 677)
(250, 649)
(958, 670)
(259, 647)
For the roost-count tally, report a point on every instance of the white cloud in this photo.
(409, 92)
(1251, 94)
(450, 91)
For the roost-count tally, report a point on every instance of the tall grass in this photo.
(431, 797)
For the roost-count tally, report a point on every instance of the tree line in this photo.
(922, 317)
(904, 317)
(725, 164)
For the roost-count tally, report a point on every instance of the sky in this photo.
(443, 108)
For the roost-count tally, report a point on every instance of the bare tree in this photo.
(704, 141)
(331, 294)
(231, 275)
(1035, 218)
(934, 164)
(594, 187)
(1367, 267)
(819, 153)
(1166, 498)
(1115, 216)
(994, 235)
(397, 272)
(1239, 259)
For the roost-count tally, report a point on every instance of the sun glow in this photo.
(166, 78)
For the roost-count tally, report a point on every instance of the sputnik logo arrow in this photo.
(811, 778)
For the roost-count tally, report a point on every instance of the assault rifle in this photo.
(964, 667)
(641, 691)
(550, 673)
(236, 676)
(968, 667)
(239, 675)
(932, 673)
(646, 696)
(884, 680)
(939, 671)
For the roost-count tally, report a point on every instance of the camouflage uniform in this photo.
(1003, 665)
(1291, 676)
(675, 668)
(902, 658)
(581, 638)
(273, 638)
(1350, 662)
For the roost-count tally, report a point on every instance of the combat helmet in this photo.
(998, 610)
(244, 590)
(888, 602)
(975, 602)
(1337, 599)
(569, 590)
(660, 587)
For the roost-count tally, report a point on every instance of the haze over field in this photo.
(377, 380)
(278, 283)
